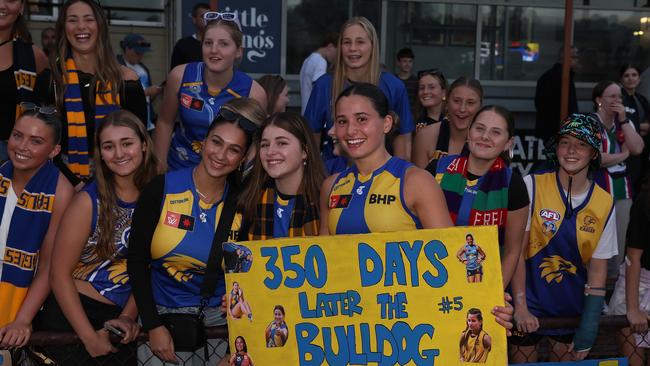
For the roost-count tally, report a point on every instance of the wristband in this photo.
(588, 330)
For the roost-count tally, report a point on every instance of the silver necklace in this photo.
(203, 216)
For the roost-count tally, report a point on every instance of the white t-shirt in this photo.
(312, 68)
(607, 245)
(10, 205)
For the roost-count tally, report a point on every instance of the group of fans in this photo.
(103, 225)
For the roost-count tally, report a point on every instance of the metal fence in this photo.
(45, 347)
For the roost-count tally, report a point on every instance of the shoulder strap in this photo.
(213, 268)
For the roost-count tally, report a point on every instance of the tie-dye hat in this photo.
(583, 127)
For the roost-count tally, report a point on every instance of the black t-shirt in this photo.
(517, 192)
(638, 230)
(9, 98)
(186, 50)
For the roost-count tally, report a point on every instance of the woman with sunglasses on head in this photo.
(88, 273)
(464, 99)
(277, 92)
(174, 226)
(569, 237)
(362, 120)
(88, 84)
(28, 226)
(24, 71)
(197, 90)
(285, 181)
(619, 141)
(432, 90)
(358, 62)
(481, 189)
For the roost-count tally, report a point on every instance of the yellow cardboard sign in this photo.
(417, 297)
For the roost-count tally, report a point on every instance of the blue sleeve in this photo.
(317, 112)
(399, 101)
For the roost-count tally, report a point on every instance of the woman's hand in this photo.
(619, 111)
(503, 314)
(525, 321)
(638, 320)
(15, 334)
(130, 328)
(577, 355)
(162, 344)
(100, 344)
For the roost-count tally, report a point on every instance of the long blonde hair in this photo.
(107, 69)
(373, 69)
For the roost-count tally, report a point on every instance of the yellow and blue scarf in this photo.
(78, 160)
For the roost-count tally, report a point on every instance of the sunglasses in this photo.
(29, 106)
(432, 72)
(212, 16)
(243, 122)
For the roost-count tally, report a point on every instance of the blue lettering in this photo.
(367, 253)
(394, 265)
(305, 335)
(316, 258)
(412, 253)
(341, 339)
(436, 251)
(329, 304)
(305, 311)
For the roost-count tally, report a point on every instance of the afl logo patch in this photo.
(340, 200)
(549, 215)
(550, 218)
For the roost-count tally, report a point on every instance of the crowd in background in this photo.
(108, 207)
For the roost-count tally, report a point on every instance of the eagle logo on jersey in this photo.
(550, 218)
(587, 224)
(555, 267)
(117, 272)
(183, 267)
(196, 146)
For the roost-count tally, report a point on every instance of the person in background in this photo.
(431, 108)
(277, 93)
(358, 62)
(188, 49)
(315, 65)
(88, 84)
(48, 40)
(405, 58)
(24, 72)
(134, 46)
(29, 171)
(637, 109)
(548, 95)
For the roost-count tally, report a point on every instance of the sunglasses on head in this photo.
(29, 106)
(432, 72)
(243, 122)
(212, 16)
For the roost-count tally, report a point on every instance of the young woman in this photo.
(238, 306)
(167, 256)
(464, 99)
(241, 356)
(285, 182)
(197, 90)
(619, 141)
(89, 83)
(475, 344)
(88, 275)
(277, 332)
(277, 93)
(362, 122)
(569, 237)
(631, 295)
(480, 188)
(24, 72)
(29, 227)
(432, 94)
(358, 62)
(637, 109)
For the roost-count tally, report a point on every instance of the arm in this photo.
(524, 320)
(402, 146)
(633, 140)
(425, 198)
(165, 124)
(71, 237)
(424, 144)
(316, 111)
(594, 300)
(325, 190)
(637, 318)
(127, 321)
(607, 160)
(487, 342)
(481, 253)
(17, 333)
(42, 62)
(459, 254)
(514, 237)
(258, 93)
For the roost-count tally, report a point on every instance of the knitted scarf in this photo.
(24, 65)
(304, 218)
(483, 203)
(78, 159)
(28, 226)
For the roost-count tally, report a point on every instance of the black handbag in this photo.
(188, 330)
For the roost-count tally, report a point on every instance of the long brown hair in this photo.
(20, 29)
(273, 85)
(314, 172)
(105, 178)
(373, 69)
(107, 69)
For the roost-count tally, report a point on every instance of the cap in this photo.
(583, 127)
(136, 42)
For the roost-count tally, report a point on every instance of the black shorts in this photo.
(473, 272)
(522, 339)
